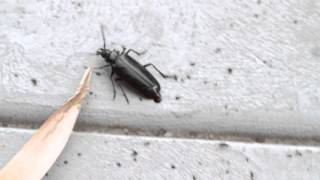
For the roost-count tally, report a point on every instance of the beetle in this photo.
(131, 71)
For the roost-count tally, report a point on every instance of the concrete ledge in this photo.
(96, 156)
(244, 67)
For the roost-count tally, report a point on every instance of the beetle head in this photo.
(108, 55)
(105, 53)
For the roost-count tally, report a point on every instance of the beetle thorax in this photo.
(113, 56)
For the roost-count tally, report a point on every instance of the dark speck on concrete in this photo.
(178, 98)
(223, 145)
(91, 93)
(230, 70)
(298, 153)
(227, 172)
(147, 143)
(34, 82)
(79, 154)
(205, 82)
(251, 175)
(134, 154)
(258, 1)
(118, 164)
(175, 77)
(194, 177)
(295, 21)
(173, 166)
(256, 15)
(76, 3)
(140, 98)
(289, 156)
(188, 77)
(65, 162)
(247, 159)
(267, 63)
(47, 175)
(218, 50)
(192, 64)
(98, 73)
(16, 75)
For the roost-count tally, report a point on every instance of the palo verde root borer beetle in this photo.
(130, 71)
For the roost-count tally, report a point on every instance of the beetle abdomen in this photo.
(138, 77)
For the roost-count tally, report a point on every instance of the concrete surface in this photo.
(244, 67)
(96, 156)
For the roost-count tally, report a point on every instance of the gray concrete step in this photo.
(97, 156)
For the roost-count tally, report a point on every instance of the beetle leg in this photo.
(123, 92)
(136, 52)
(114, 87)
(102, 67)
(123, 49)
(163, 75)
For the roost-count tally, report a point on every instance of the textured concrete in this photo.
(94, 156)
(244, 67)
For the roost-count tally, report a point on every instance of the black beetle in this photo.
(130, 71)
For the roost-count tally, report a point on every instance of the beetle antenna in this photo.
(103, 37)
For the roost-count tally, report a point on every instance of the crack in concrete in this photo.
(180, 134)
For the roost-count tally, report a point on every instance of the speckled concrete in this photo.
(244, 67)
(94, 156)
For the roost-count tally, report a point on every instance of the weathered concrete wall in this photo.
(243, 66)
(95, 156)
